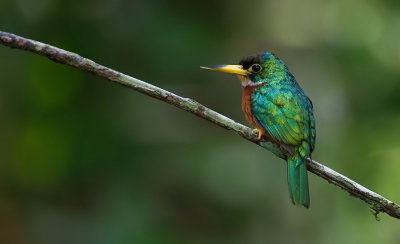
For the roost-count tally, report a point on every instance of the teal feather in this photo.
(298, 181)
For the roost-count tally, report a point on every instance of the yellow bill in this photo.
(227, 68)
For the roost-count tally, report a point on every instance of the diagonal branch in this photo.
(376, 201)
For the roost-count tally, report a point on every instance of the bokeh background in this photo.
(83, 160)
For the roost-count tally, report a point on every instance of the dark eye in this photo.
(255, 68)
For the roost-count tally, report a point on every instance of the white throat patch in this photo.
(246, 81)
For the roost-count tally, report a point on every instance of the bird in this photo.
(279, 110)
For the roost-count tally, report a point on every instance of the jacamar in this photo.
(274, 103)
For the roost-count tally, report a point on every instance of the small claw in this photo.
(260, 133)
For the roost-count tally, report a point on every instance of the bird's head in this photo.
(254, 70)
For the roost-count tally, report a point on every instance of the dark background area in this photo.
(83, 160)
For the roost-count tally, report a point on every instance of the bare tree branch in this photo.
(376, 201)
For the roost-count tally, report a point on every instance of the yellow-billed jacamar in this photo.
(278, 108)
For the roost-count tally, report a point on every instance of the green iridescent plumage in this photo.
(275, 104)
(283, 109)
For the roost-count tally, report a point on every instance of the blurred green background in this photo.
(83, 160)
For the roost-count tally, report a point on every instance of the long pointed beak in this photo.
(233, 69)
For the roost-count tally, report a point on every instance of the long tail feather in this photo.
(298, 181)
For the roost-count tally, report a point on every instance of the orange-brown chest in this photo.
(246, 104)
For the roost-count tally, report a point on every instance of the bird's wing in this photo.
(284, 114)
(311, 124)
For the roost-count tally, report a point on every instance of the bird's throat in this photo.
(246, 81)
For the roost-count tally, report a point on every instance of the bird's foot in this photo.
(260, 133)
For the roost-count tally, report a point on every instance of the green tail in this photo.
(298, 181)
